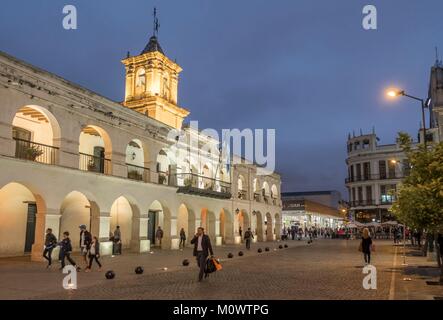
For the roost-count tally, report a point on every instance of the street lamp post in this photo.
(424, 104)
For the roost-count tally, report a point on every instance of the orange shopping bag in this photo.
(217, 264)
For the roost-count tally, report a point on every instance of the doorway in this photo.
(30, 227)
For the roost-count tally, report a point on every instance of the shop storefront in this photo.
(307, 214)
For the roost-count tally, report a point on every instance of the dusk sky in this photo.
(306, 68)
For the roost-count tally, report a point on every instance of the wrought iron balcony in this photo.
(191, 183)
(33, 151)
(93, 163)
(138, 173)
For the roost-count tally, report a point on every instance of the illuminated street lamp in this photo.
(424, 104)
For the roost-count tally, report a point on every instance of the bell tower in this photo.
(152, 83)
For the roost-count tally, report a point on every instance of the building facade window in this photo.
(368, 194)
(366, 170)
(360, 194)
(358, 167)
(387, 193)
(391, 169)
(382, 169)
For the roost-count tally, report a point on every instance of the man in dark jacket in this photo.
(248, 237)
(50, 243)
(85, 242)
(65, 250)
(202, 248)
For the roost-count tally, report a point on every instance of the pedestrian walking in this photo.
(65, 250)
(419, 235)
(117, 241)
(248, 237)
(366, 246)
(240, 232)
(50, 243)
(94, 254)
(159, 235)
(202, 249)
(85, 242)
(182, 238)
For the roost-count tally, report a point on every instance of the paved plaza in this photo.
(325, 269)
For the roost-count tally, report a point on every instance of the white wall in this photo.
(41, 131)
(88, 142)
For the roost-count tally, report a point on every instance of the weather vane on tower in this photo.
(156, 23)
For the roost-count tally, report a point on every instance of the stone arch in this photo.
(122, 215)
(241, 187)
(186, 220)
(206, 176)
(159, 216)
(95, 150)
(137, 160)
(140, 80)
(77, 209)
(166, 167)
(22, 212)
(37, 134)
(274, 191)
(241, 221)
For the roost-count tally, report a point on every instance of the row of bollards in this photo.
(139, 270)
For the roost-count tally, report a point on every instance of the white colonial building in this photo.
(374, 171)
(69, 156)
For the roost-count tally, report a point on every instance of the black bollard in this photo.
(185, 262)
(110, 275)
(139, 270)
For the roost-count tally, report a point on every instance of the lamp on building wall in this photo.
(237, 211)
(254, 213)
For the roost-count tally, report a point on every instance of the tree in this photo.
(419, 201)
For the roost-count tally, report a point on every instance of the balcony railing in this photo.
(33, 151)
(202, 185)
(371, 177)
(93, 163)
(163, 178)
(138, 173)
(242, 195)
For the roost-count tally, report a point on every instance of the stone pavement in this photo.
(325, 269)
